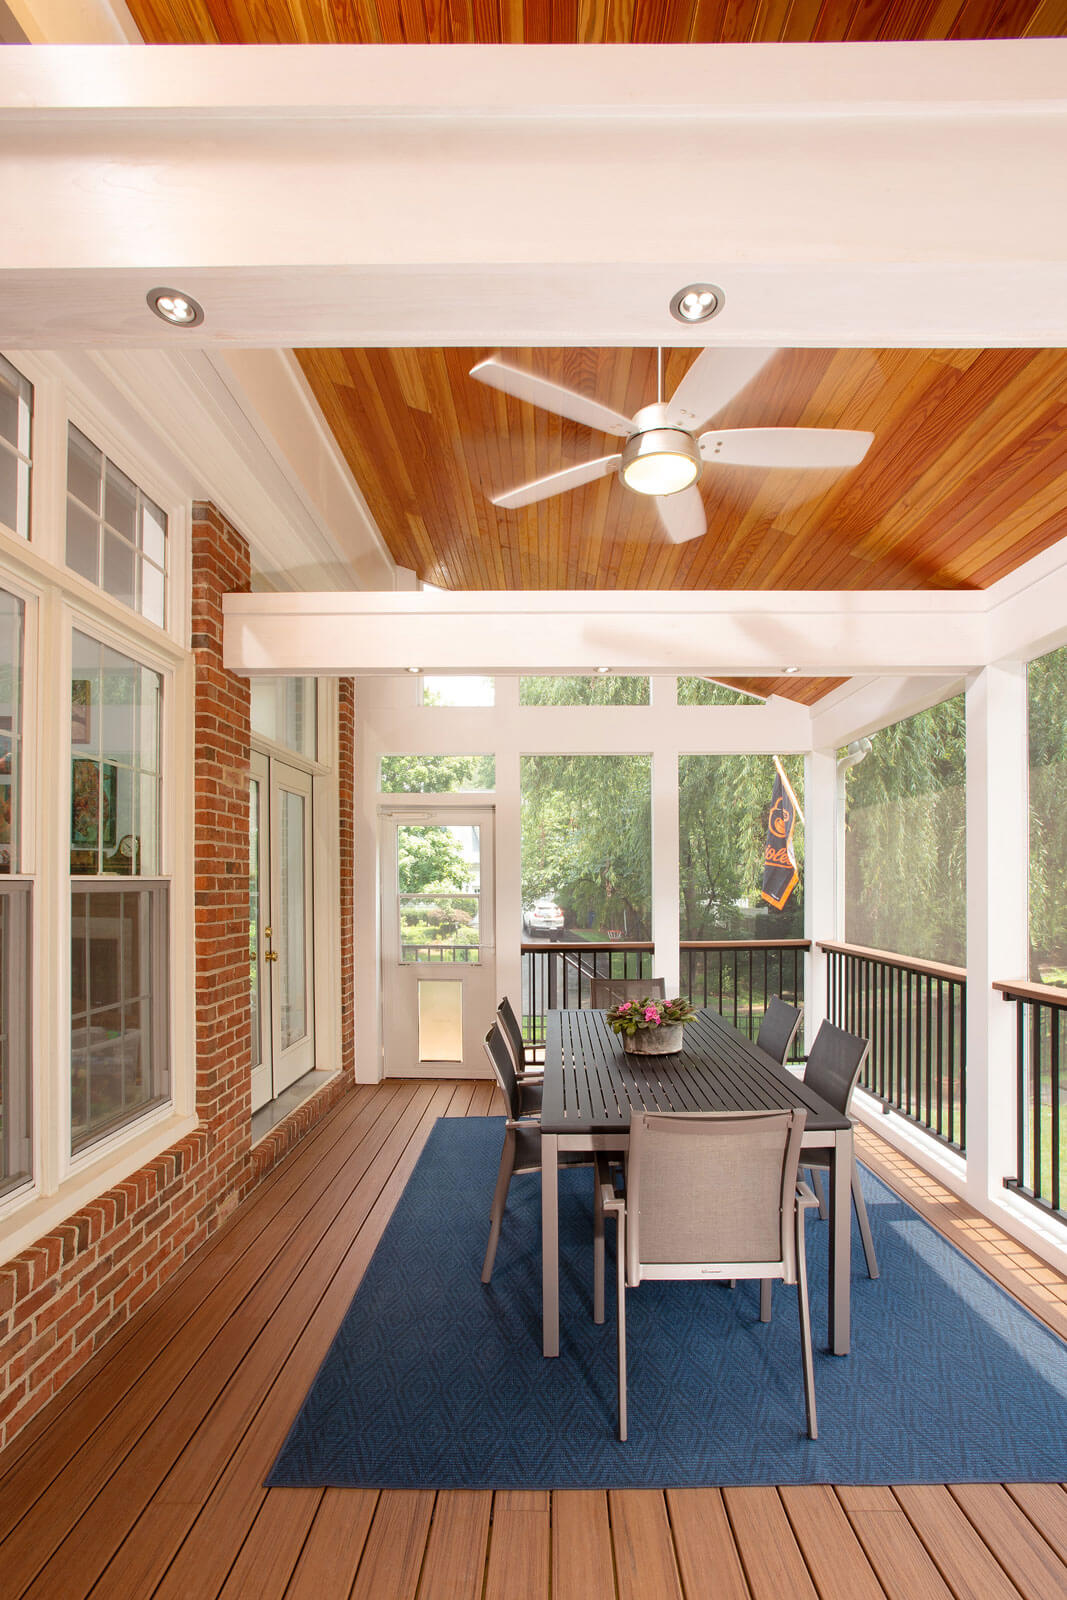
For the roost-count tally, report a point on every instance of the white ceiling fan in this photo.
(663, 455)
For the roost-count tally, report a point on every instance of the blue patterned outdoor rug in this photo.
(435, 1381)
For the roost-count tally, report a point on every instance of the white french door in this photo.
(438, 945)
(281, 927)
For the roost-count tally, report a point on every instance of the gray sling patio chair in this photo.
(712, 1196)
(778, 1028)
(833, 1068)
(607, 992)
(522, 1153)
(525, 1068)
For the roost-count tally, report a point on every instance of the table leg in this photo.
(840, 1242)
(550, 1243)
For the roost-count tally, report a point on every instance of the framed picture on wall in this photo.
(94, 791)
(81, 711)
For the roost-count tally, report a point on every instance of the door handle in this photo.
(271, 955)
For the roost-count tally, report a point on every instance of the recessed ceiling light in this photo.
(603, 669)
(790, 670)
(414, 669)
(697, 302)
(179, 309)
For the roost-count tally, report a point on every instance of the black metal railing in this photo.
(738, 979)
(1041, 1095)
(913, 1012)
(558, 977)
(450, 954)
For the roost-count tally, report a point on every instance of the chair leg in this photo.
(620, 1316)
(765, 1299)
(598, 1248)
(500, 1200)
(820, 1190)
(805, 1328)
(865, 1227)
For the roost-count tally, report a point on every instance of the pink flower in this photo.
(627, 1005)
(651, 1014)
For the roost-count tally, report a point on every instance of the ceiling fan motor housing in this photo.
(658, 458)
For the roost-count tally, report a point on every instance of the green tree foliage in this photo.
(587, 839)
(437, 774)
(905, 842)
(1047, 694)
(705, 692)
(723, 806)
(590, 689)
(430, 858)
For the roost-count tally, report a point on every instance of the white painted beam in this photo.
(841, 194)
(718, 633)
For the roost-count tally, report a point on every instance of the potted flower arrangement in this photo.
(650, 1027)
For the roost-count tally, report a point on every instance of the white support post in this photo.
(821, 868)
(665, 923)
(997, 850)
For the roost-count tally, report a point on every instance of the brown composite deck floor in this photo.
(144, 1477)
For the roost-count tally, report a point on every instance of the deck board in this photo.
(145, 1478)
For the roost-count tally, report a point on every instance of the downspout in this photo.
(857, 750)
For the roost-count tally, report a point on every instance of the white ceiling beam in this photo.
(824, 634)
(843, 194)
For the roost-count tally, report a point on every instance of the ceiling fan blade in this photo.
(682, 515)
(551, 397)
(829, 448)
(556, 483)
(714, 378)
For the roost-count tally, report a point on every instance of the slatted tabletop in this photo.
(592, 1085)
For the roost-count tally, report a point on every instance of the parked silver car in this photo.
(543, 916)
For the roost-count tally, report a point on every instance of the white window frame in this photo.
(57, 601)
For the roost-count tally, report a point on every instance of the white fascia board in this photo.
(721, 634)
(298, 508)
(623, 82)
(466, 175)
(274, 399)
(865, 706)
(778, 726)
(75, 22)
(1028, 609)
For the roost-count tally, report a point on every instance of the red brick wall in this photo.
(62, 1298)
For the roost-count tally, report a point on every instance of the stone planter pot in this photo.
(666, 1040)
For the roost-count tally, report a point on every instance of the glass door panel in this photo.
(438, 955)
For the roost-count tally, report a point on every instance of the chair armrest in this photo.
(610, 1198)
(806, 1196)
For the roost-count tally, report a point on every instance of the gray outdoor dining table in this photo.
(592, 1085)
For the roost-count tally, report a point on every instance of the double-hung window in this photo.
(16, 1095)
(119, 907)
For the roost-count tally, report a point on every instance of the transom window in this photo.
(116, 535)
(16, 415)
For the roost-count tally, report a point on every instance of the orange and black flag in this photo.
(780, 876)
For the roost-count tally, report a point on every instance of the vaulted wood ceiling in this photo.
(589, 21)
(967, 476)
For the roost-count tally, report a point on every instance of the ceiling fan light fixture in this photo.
(697, 302)
(661, 461)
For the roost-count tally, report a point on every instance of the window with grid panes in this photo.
(16, 417)
(116, 535)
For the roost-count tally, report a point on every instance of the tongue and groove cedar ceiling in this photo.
(967, 476)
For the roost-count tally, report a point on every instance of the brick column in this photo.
(221, 565)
